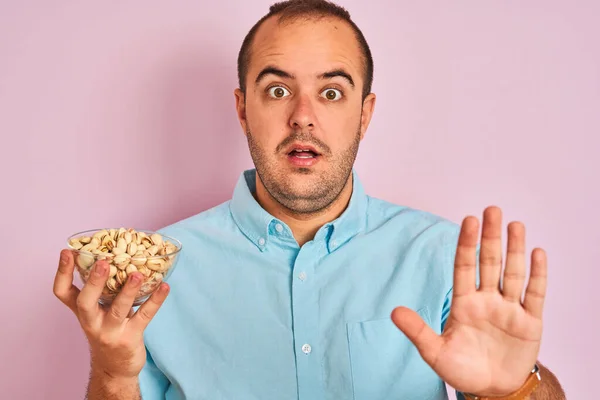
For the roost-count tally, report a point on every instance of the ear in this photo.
(240, 105)
(368, 107)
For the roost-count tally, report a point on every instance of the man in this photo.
(286, 291)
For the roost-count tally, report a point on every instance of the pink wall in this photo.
(118, 114)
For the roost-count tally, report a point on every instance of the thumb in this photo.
(420, 334)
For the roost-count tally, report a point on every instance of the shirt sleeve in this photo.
(153, 383)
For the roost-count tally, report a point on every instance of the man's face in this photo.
(303, 112)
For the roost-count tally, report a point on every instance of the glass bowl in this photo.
(127, 251)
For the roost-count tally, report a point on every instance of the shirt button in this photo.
(261, 241)
(302, 275)
(306, 349)
(279, 228)
(333, 244)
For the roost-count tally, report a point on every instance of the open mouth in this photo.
(303, 156)
(303, 153)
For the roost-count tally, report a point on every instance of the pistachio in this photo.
(85, 239)
(113, 234)
(131, 248)
(145, 271)
(85, 260)
(153, 250)
(121, 277)
(122, 244)
(76, 244)
(156, 239)
(127, 236)
(131, 269)
(146, 242)
(138, 261)
(112, 285)
(122, 260)
(117, 251)
(156, 264)
(98, 235)
(113, 271)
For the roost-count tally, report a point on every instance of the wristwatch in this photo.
(528, 387)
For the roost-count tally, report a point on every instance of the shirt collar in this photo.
(254, 221)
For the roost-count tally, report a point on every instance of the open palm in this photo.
(492, 337)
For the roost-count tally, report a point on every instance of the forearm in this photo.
(549, 388)
(104, 387)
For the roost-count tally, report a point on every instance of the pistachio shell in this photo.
(76, 244)
(131, 269)
(117, 251)
(112, 285)
(131, 248)
(122, 244)
(138, 261)
(113, 234)
(85, 260)
(153, 250)
(147, 242)
(113, 271)
(122, 260)
(156, 239)
(145, 270)
(127, 236)
(156, 264)
(98, 235)
(121, 277)
(85, 239)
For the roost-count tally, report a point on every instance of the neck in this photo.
(303, 226)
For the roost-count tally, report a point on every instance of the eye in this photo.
(332, 94)
(278, 92)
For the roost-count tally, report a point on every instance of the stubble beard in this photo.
(325, 188)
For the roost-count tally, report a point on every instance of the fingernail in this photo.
(135, 279)
(100, 269)
(64, 258)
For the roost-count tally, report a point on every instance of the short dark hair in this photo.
(293, 9)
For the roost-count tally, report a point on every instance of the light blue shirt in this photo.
(251, 315)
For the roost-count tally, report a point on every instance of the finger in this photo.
(465, 262)
(87, 302)
(123, 302)
(514, 273)
(148, 310)
(63, 281)
(419, 333)
(490, 256)
(536, 288)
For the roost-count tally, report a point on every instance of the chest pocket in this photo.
(386, 365)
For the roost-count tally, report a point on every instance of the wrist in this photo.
(110, 380)
(523, 393)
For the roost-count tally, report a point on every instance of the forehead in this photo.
(306, 46)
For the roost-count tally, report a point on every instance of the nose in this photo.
(303, 116)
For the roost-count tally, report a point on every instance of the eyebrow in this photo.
(270, 70)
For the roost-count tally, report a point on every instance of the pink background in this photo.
(122, 114)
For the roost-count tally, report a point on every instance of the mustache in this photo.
(304, 138)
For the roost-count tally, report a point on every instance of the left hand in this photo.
(492, 339)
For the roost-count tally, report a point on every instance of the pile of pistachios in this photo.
(127, 251)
